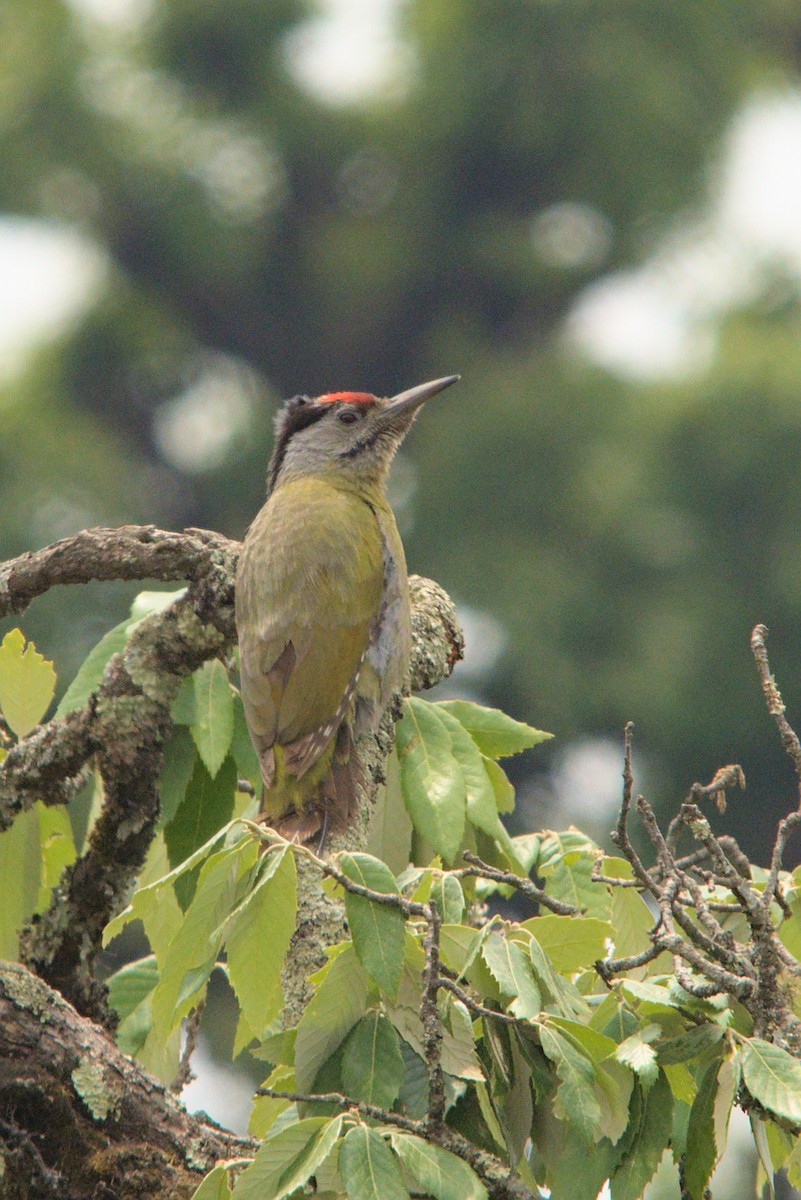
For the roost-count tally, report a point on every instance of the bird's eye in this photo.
(348, 416)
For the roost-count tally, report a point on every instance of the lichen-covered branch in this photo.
(79, 1119)
(124, 726)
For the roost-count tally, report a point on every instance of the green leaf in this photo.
(437, 1172)
(27, 683)
(20, 873)
(368, 1167)
(180, 757)
(576, 1100)
(432, 782)
(267, 1109)
(257, 937)
(773, 1077)
(213, 724)
(708, 1126)
(496, 734)
(566, 862)
(689, 1045)
(559, 992)
(128, 987)
(644, 1153)
(183, 706)
(372, 1066)
(214, 1187)
(446, 892)
(377, 929)
(511, 967)
(192, 953)
(290, 1154)
(208, 804)
(571, 943)
(129, 992)
(459, 1056)
(242, 749)
(90, 673)
(502, 789)
(637, 1053)
(336, 1006)
(57, 848)
(482, 811)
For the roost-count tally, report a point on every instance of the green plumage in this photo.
(322, 603)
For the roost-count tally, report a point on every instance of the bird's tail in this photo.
(324, 798)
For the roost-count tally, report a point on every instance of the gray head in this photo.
(352, 432)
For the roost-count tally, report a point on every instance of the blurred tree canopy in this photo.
(261, 240)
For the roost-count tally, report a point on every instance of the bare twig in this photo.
(774, 701)
(483, 870)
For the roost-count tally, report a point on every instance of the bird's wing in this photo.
(308, 593)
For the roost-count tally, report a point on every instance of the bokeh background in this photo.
(592, 210)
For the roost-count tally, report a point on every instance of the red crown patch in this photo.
(347, 397)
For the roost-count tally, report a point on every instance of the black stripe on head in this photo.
(298, 413)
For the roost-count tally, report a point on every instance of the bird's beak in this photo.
(405, 404)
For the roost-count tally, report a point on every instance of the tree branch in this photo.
(83, 1120)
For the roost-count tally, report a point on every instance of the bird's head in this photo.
(354, 434)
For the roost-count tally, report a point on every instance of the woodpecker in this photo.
(322, 602)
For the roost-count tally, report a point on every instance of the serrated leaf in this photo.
(335, 1007)
(446, 892)
(390, 835)
(90, 673)
(511, 967)
(496, 734)
(180, 756)
(773, 1077)
(637, 1053)
(208, 804)
(482, 810)
(377, 929)
(20, 874)
(459, 1056)
(758, 1129)
(689, 1045)
(257, 937)
(129, 992)
(57, 848)
(189, 958)
(432, 782)
(571, 943)
(437, 1172)
(708, 1125)
(502, 788)
(27, 683)
(575, 1099)
(214, 1187)
(242, 749)
(128, 987)
(368, 1167)
(213, 724)
(566, 861)
(559, 992)
(372, 1066)
(283, 1156)
(644, 1152)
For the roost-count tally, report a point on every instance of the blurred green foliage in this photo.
(261, 241)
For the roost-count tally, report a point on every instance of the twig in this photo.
(185, 1074)
(774, 701)
(361, 1106)
(483, 870)
(432, 1023)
